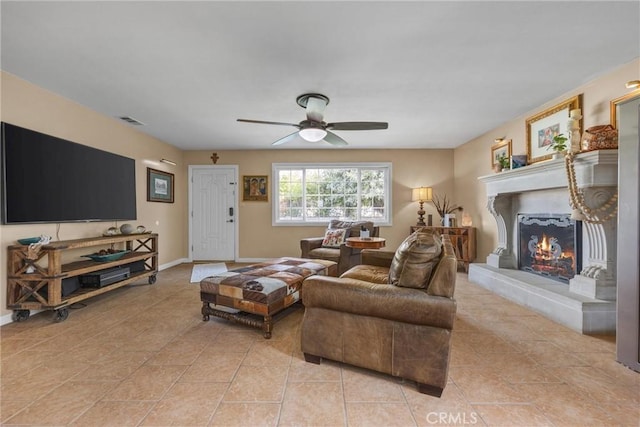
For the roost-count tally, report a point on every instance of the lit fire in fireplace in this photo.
(549, 245)
(548, 257)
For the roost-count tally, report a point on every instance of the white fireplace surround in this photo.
(587, 304)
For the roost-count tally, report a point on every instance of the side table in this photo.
(365, 243)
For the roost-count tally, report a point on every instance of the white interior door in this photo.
(213, 212)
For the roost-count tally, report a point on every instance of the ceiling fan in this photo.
(314, 129)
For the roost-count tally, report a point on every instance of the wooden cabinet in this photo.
(463, 240)
(35, 281)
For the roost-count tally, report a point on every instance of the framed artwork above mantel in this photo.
(542, 127)
(502, 148)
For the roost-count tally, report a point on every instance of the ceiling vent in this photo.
(132, 121)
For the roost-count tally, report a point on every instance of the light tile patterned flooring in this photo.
(142, 356)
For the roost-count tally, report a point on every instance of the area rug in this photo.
(200, 271)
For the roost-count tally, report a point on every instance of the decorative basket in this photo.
(600, 138)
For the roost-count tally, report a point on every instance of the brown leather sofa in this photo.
(392, 314)
(344, 256)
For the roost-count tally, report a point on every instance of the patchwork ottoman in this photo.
(263, 289)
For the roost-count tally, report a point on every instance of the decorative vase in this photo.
(559, 154)
(449, 220)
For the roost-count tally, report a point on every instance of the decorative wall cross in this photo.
(214, 157)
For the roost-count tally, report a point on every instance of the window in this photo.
(314, 193)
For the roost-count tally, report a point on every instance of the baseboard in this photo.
(253, 260)
(7, 318)
(172, 263)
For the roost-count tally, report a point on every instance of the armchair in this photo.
(345, 256)
(392, 314)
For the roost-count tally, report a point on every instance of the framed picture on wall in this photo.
(501, 149)
(542, 127)
(160, 186)
(255, 188)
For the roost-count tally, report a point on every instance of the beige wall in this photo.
(473, 158)
(411, 168)
(29, 106)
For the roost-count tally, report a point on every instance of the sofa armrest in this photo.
(407, 305)
(308, 244)
(376, 257)
(348, 258)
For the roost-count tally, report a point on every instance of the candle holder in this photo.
(573, 126)
(421, 213)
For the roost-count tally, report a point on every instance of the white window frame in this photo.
(275, 174)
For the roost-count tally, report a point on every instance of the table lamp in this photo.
(421, 195)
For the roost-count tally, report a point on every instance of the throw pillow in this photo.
(416, 259)
(333, 238)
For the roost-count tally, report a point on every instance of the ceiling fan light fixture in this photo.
(312, 134)
(314, 128)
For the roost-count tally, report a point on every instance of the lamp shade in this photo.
(422, 194)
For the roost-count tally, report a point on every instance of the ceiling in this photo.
(441, 73)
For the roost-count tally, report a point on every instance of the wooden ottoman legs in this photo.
(205, 311)
(266, 325)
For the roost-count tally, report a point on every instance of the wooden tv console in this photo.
(41, 289)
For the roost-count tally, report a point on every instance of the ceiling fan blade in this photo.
(334, 139)
(287, 138)
(358, 125)
(262, 122)
(315, 109)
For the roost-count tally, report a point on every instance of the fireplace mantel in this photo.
(544, 185)
(593, 169)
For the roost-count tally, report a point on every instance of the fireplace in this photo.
(588, 303)
(549, 245)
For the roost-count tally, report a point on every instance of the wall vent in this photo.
(132, 121)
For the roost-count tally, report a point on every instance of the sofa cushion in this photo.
(416, 259)
(368, 273)
(333, 238)
(329, 254)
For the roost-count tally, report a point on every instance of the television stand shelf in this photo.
(32, 286)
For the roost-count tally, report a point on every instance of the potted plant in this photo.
(503, 161)
(559, 145)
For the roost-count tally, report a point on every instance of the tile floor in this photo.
(142, 356)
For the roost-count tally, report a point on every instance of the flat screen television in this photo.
(50, 180)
